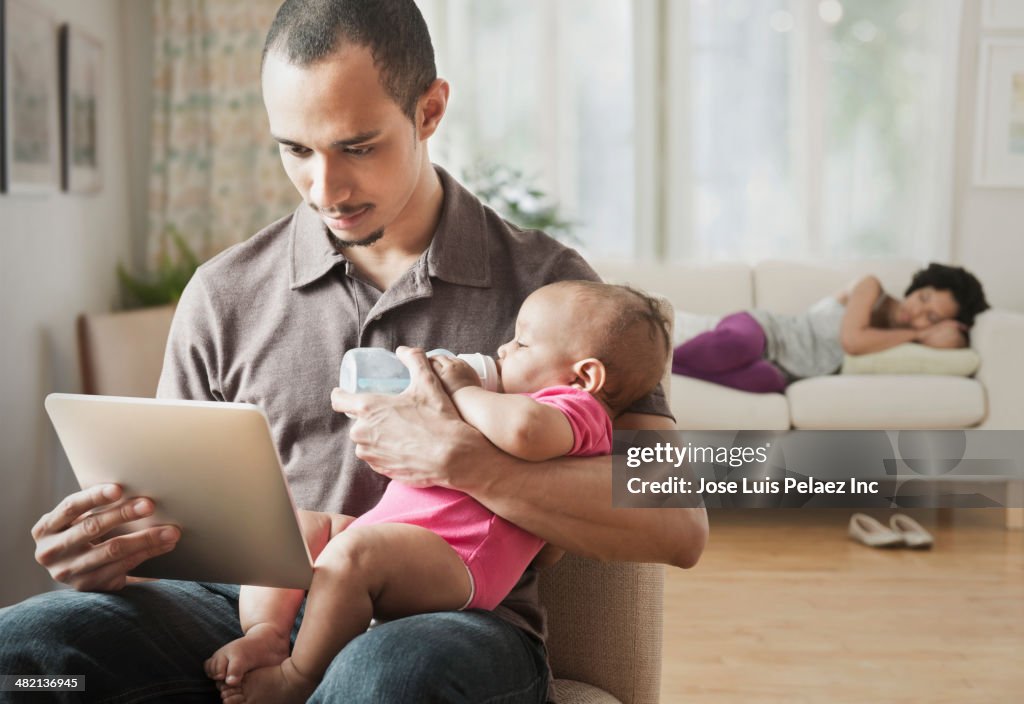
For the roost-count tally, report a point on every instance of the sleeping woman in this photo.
(763, 352)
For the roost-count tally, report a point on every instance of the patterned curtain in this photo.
(216, 176)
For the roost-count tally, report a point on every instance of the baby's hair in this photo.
(631, 338)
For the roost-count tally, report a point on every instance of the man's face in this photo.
(345, 144)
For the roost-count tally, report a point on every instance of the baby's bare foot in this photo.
(278, 684)
(261, 646)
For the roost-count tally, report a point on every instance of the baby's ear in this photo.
(590, 375)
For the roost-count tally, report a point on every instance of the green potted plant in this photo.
(510, 194)
(164, 285)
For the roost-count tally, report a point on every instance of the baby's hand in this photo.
(454, 373)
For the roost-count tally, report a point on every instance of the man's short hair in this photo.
(308, 31)
(631, 339)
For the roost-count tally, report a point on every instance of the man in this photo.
(385, 250)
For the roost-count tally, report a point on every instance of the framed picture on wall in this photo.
(1002, 14)
(999, 124)
(31, 136)
(81, 58)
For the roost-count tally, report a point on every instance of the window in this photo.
(713, 129)
(544, 88)
(819, 128)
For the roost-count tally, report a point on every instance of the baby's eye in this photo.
(519, 343)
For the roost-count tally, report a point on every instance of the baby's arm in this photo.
(516, 424)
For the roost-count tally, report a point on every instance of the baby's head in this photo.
(611, 341)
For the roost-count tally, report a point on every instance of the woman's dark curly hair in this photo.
(962, 284)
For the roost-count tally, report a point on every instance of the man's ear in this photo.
(590, 375)
(430, 108)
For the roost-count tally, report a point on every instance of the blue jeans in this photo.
(148, 642)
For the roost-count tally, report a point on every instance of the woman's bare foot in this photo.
(261, 646)
(278, 684)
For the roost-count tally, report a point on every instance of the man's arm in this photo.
(568, 502)
(418, 438)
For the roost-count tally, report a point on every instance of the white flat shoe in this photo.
(867, 530)
(914, 536)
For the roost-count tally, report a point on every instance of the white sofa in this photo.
(993, 398)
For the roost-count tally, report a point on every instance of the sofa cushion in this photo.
(913, 359)
(792, 287)
(860, 402)
(712, 289)
(701, 405)
(687, 326)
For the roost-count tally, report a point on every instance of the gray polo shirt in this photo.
(268, 320)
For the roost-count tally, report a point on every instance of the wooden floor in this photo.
(783, 607)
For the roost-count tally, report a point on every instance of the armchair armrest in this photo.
(998, 337)
(604, 629)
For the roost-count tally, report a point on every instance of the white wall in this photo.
(988, 222)
(57, 258)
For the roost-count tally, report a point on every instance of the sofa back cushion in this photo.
(790, 287)
(710, 289)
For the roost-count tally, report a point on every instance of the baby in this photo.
(583, 352)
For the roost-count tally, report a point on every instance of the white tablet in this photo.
(210, 468)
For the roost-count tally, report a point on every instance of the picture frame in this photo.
(81, 74)
(999, 122)
(1002, 15)
(31, 109)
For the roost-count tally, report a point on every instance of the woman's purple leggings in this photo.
(730, 355)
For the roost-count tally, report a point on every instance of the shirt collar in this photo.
(458, 251)
(311, 251)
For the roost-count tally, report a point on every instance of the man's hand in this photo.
(70, 541)
(454, 373)
(411, 436)
(946, 334)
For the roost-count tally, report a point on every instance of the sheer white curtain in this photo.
(215, 177)
(814, 128)
(544, 87)
(714, 129)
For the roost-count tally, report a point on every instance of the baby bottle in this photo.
(379, 371)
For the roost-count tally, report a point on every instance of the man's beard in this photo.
(367, 241)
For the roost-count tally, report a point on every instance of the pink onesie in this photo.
(495, 551)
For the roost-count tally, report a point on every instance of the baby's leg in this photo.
(388, 570)
(268, 615)
(737, 340)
